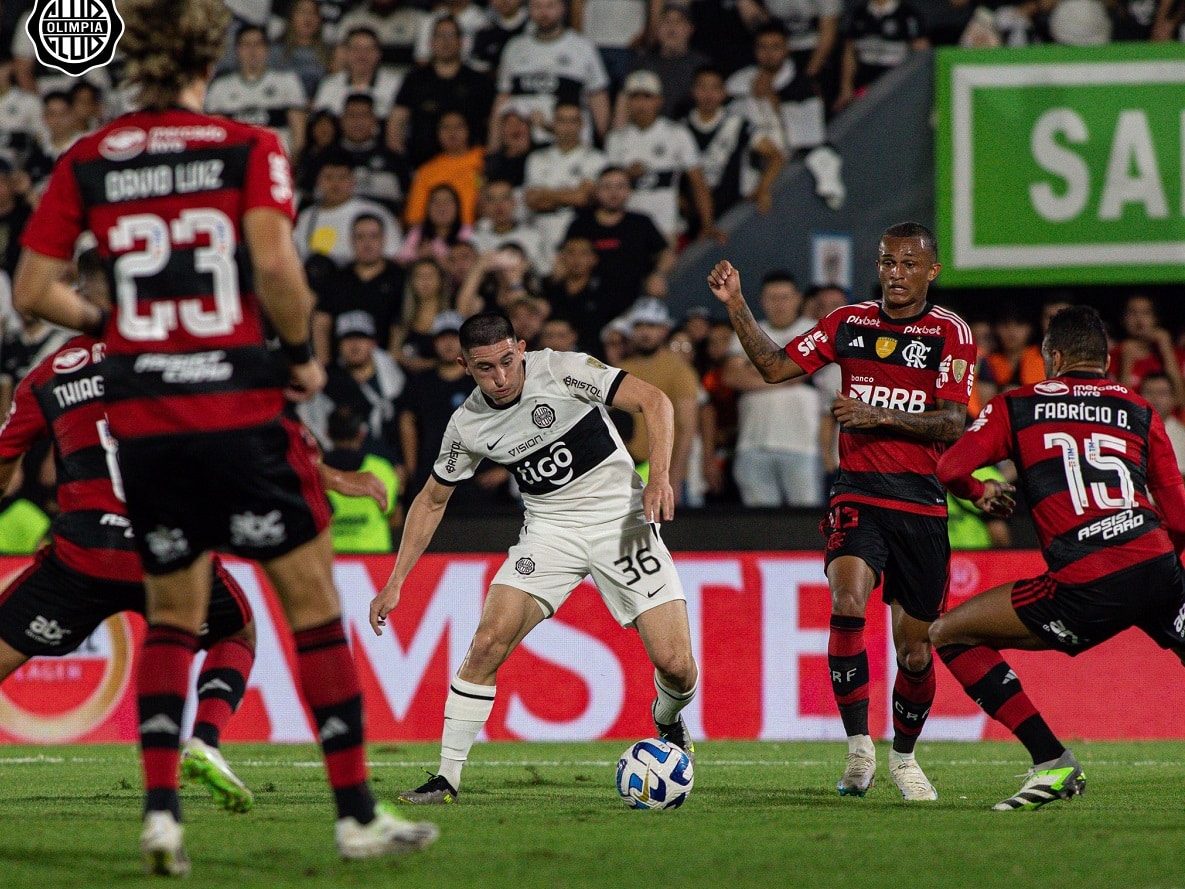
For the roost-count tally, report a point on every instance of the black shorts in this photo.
(255, 492)
(49, 610)
(1150, 596)
(909, 552)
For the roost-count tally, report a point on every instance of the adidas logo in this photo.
(334, 727)
(857, 343)
(159, 725)
(1010, 676)
(215, 685)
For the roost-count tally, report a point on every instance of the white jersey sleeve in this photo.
(455, 462)
(583, 377)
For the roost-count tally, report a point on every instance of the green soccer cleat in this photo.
(1060, 778)
(202, 763)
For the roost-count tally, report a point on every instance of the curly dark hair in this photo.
(170, 44)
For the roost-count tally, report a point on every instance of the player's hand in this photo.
(725, 282)
(658, 500)
(854, 413)
(305, 380)
(359, 484)
(382, 605)
(997, 499)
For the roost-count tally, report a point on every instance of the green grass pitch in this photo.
(547, 816)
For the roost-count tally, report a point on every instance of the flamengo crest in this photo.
(74, 36)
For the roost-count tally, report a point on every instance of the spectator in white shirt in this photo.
(362, 73)
(324, 227)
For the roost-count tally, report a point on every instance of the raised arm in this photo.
(423, 518)
(637, 396)
(768, 357)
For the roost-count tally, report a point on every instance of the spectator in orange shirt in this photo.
(1015, 361)
(459, 165)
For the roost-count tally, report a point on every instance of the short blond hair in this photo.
(169, 44)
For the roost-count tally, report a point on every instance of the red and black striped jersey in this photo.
(905, 364)
(1092, 457)
(62, 399)
(165, 193)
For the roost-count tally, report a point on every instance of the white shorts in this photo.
(629, 563)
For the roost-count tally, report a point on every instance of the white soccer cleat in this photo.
(387, 834)
(859, 775)
(205, 764)
(1060, 778)
(162, 843)
(909, 777)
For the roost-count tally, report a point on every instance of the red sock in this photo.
(163, 678)
(330, 686)
(221, 686)
(913, 695)
(847, 659)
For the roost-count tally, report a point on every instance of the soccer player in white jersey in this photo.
(543, 416)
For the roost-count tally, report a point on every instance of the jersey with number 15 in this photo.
(165, 193)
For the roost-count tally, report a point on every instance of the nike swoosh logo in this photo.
(494, 443)
(654, 593)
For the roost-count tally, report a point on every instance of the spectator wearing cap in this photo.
(560, 178)
(459, 165)
(364, 378)
(324, 227)
(380, 174)
(633, 257)
(444, 84)
(14, 213)
(616, 347)
(361, 73)
(360, 524)
(650, 323)
(371, 284)
(427, 404)
(550, 64)
(657, 153)
(672, 59)
(778, 449)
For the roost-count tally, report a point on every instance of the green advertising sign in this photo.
(1059, 165)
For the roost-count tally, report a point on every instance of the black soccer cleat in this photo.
(436, 791)
(676, 733)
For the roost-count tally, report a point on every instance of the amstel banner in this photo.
(759, 625)
(1061, 165)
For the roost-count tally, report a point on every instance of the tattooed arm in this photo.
(768, 357)
(944, 423)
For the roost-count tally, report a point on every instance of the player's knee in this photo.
(914, 656)
(678, 670)
(489, 649)
(847, 601)
(939, 632)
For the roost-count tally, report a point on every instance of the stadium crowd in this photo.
(551, 160)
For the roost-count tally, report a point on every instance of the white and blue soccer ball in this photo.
(653, 774)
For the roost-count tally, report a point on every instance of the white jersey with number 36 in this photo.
(565, 454)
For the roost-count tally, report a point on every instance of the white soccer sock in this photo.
(465, 712)
(669, 702)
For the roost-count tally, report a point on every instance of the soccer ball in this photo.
(653, 774)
